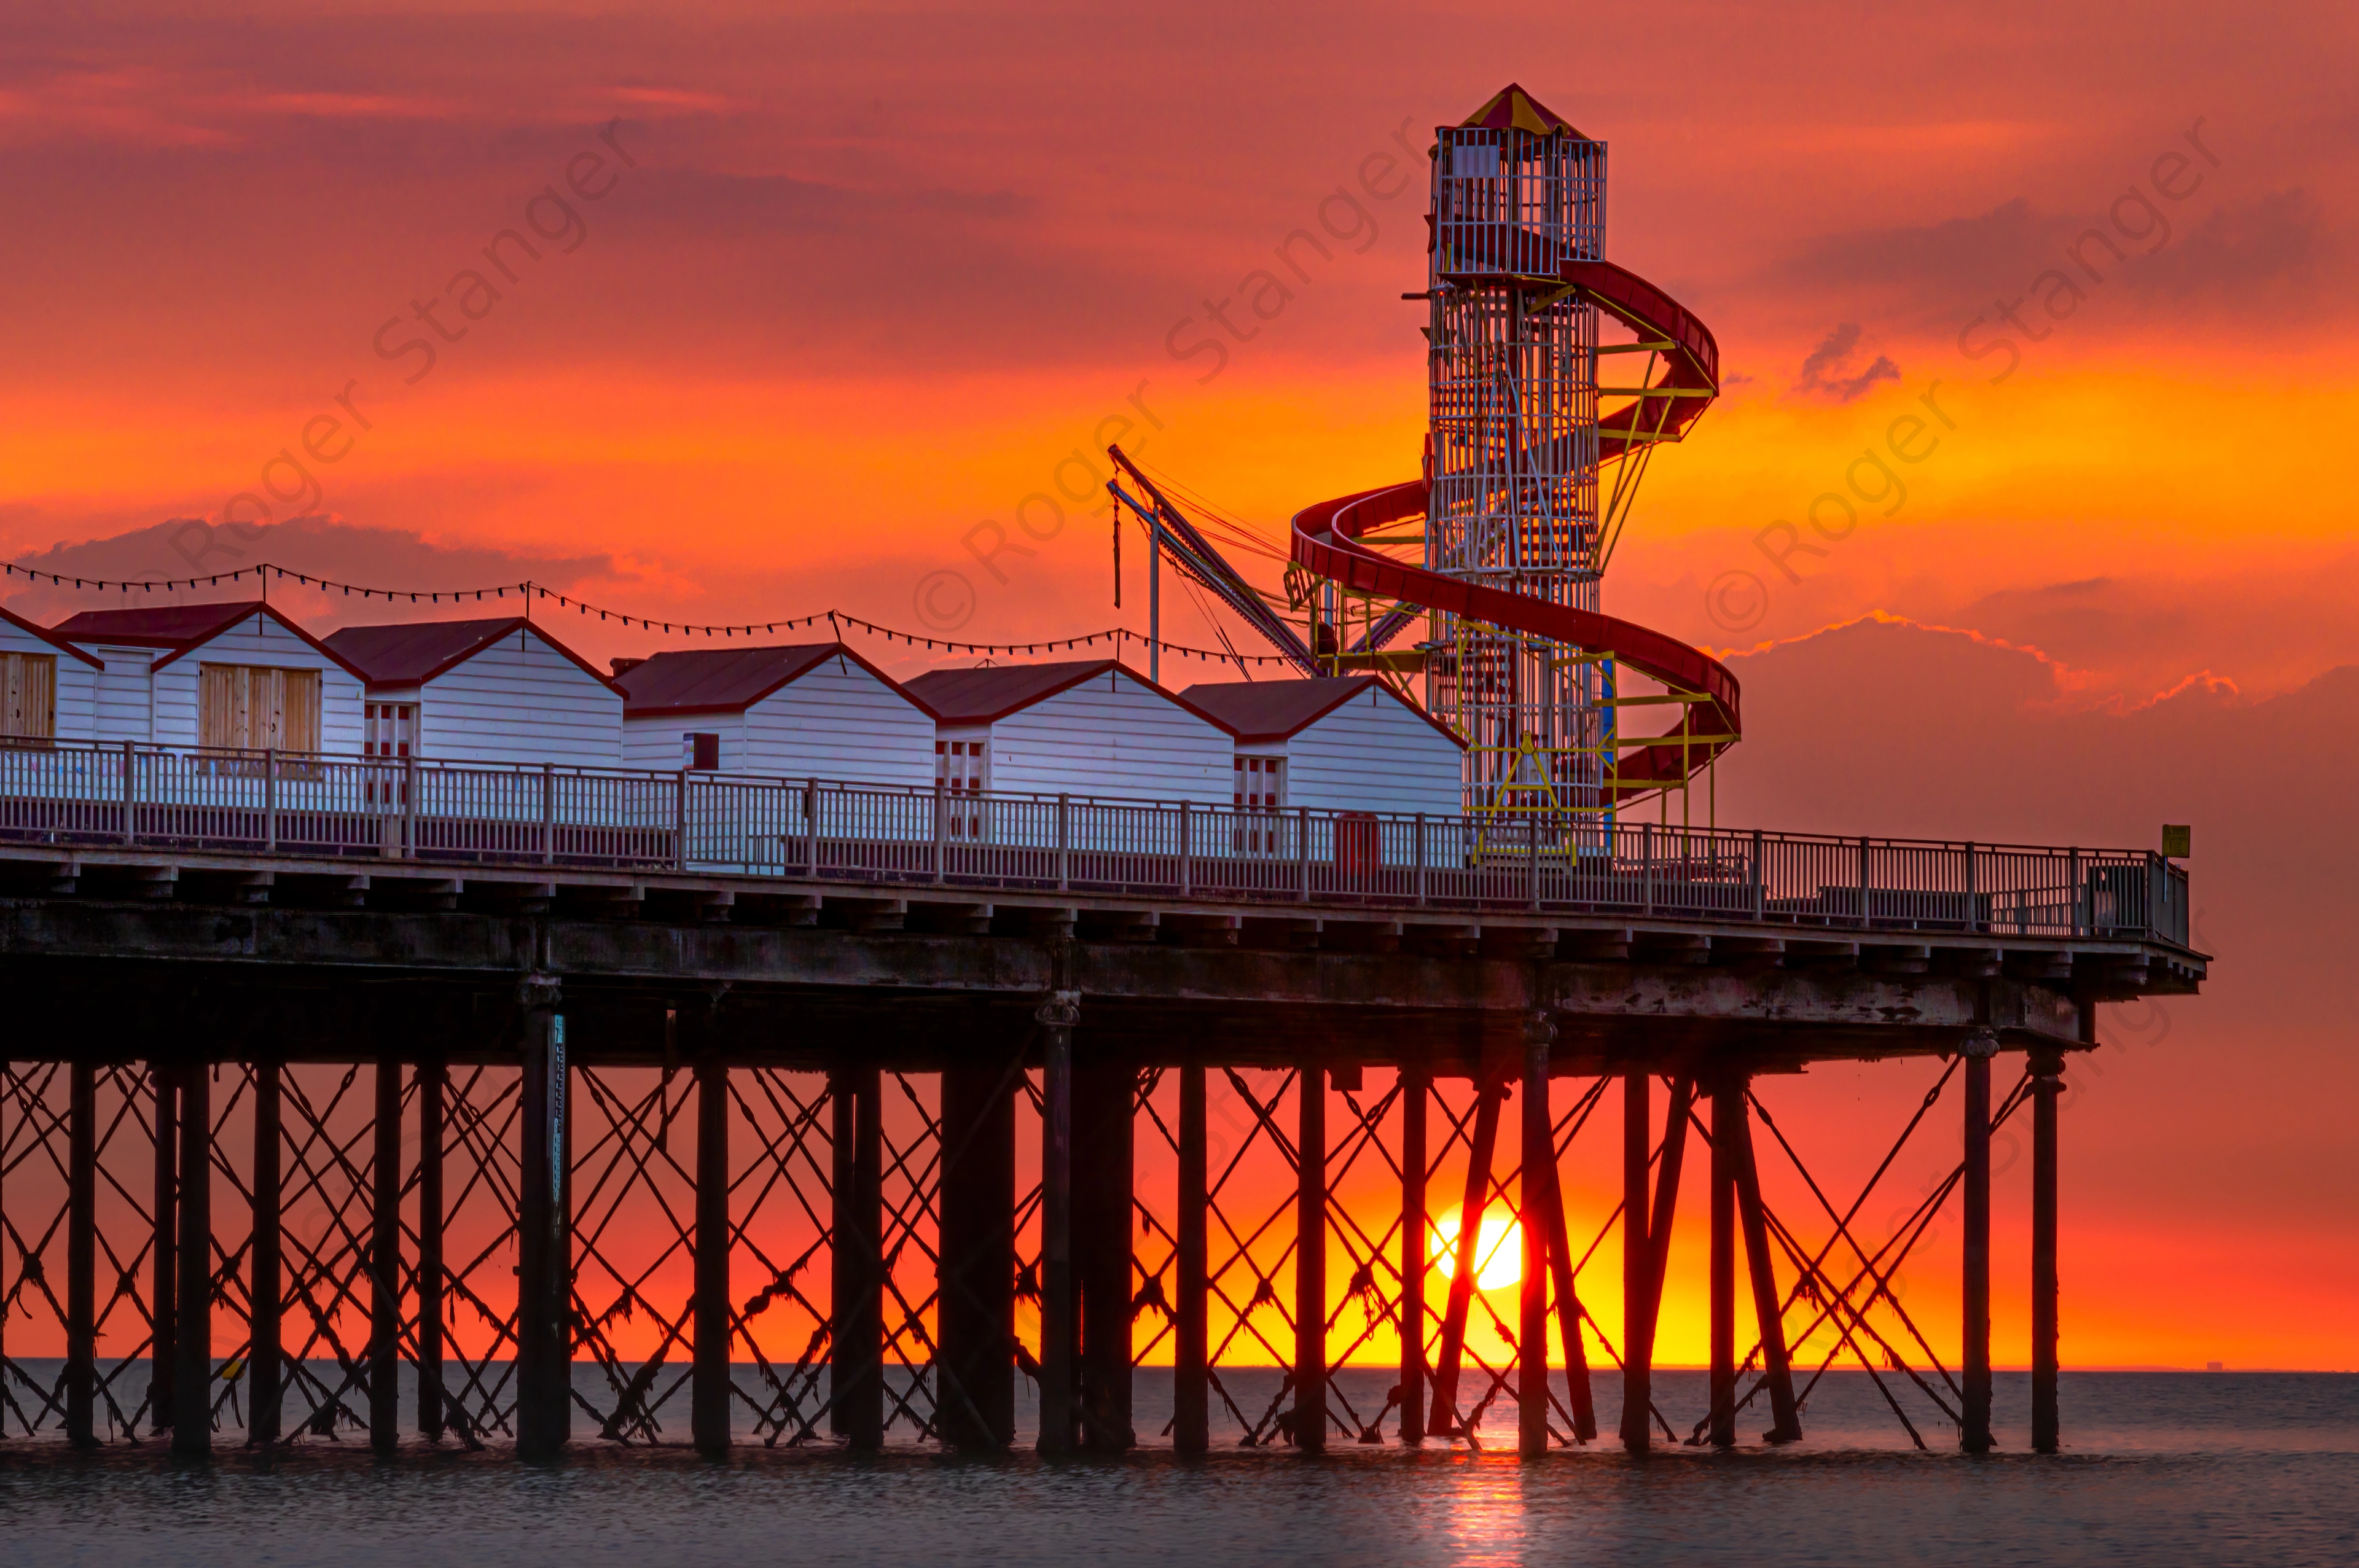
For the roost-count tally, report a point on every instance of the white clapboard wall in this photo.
(35, 664)
(1372, 753)
(257, 640)
(517, 699)
(1111, 735)
(834, 721)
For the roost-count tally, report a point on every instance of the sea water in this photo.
(2226, 1467)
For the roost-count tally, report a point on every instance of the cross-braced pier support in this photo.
(513, 1198)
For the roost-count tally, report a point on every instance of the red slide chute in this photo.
(1327, 535)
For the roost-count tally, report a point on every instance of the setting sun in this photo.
(1499, 1250)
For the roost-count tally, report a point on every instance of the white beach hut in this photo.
(496, 691)
(48, 687)
(1348, 743)
(816, 711)
(1092, 727)
(234, 677)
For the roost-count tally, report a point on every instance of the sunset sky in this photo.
(830, 300)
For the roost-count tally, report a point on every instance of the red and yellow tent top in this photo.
(1512, 108)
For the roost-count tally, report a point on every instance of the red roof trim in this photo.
(461, 657)
(839, 651)
(512, 624)
(1359, 684)
(51, 638)
(182, 649)
(1088, 672)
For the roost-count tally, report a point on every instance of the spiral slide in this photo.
(1327, 535)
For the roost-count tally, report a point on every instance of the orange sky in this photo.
(857, 282)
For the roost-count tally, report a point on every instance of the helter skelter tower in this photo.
(1512, 459)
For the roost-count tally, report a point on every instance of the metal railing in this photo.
(312, 806)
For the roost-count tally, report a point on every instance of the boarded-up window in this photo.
(29, 695)
(251, 707)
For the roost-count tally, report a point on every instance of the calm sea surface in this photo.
(2160, 1468)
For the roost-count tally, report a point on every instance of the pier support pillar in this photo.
(1311, 1259)
(1056, 1018)
(433, 1095)
(544, 1238)
(1417, 1094)
(1104, 1088)
(1443, 1420)
(1535, 1199)
(163, 1082)
(976, 1399)
(82, 1254)
(266, 1279)
(385, 1261)
(856, 1349)
(1776, 1364)
(2046, 1088)
(1637, 1333)
(1677, 1120)
(1974, 1428)
(1190, 1328)
(192, 1346)
(1581, 1395)
(1727, 1106)
(709, 1390)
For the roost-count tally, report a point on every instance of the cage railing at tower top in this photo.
(312, 805)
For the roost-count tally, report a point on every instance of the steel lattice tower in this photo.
(1512, 454)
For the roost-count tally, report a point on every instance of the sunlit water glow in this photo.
(2228, 1468)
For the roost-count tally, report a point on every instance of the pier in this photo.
(850, 1085)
